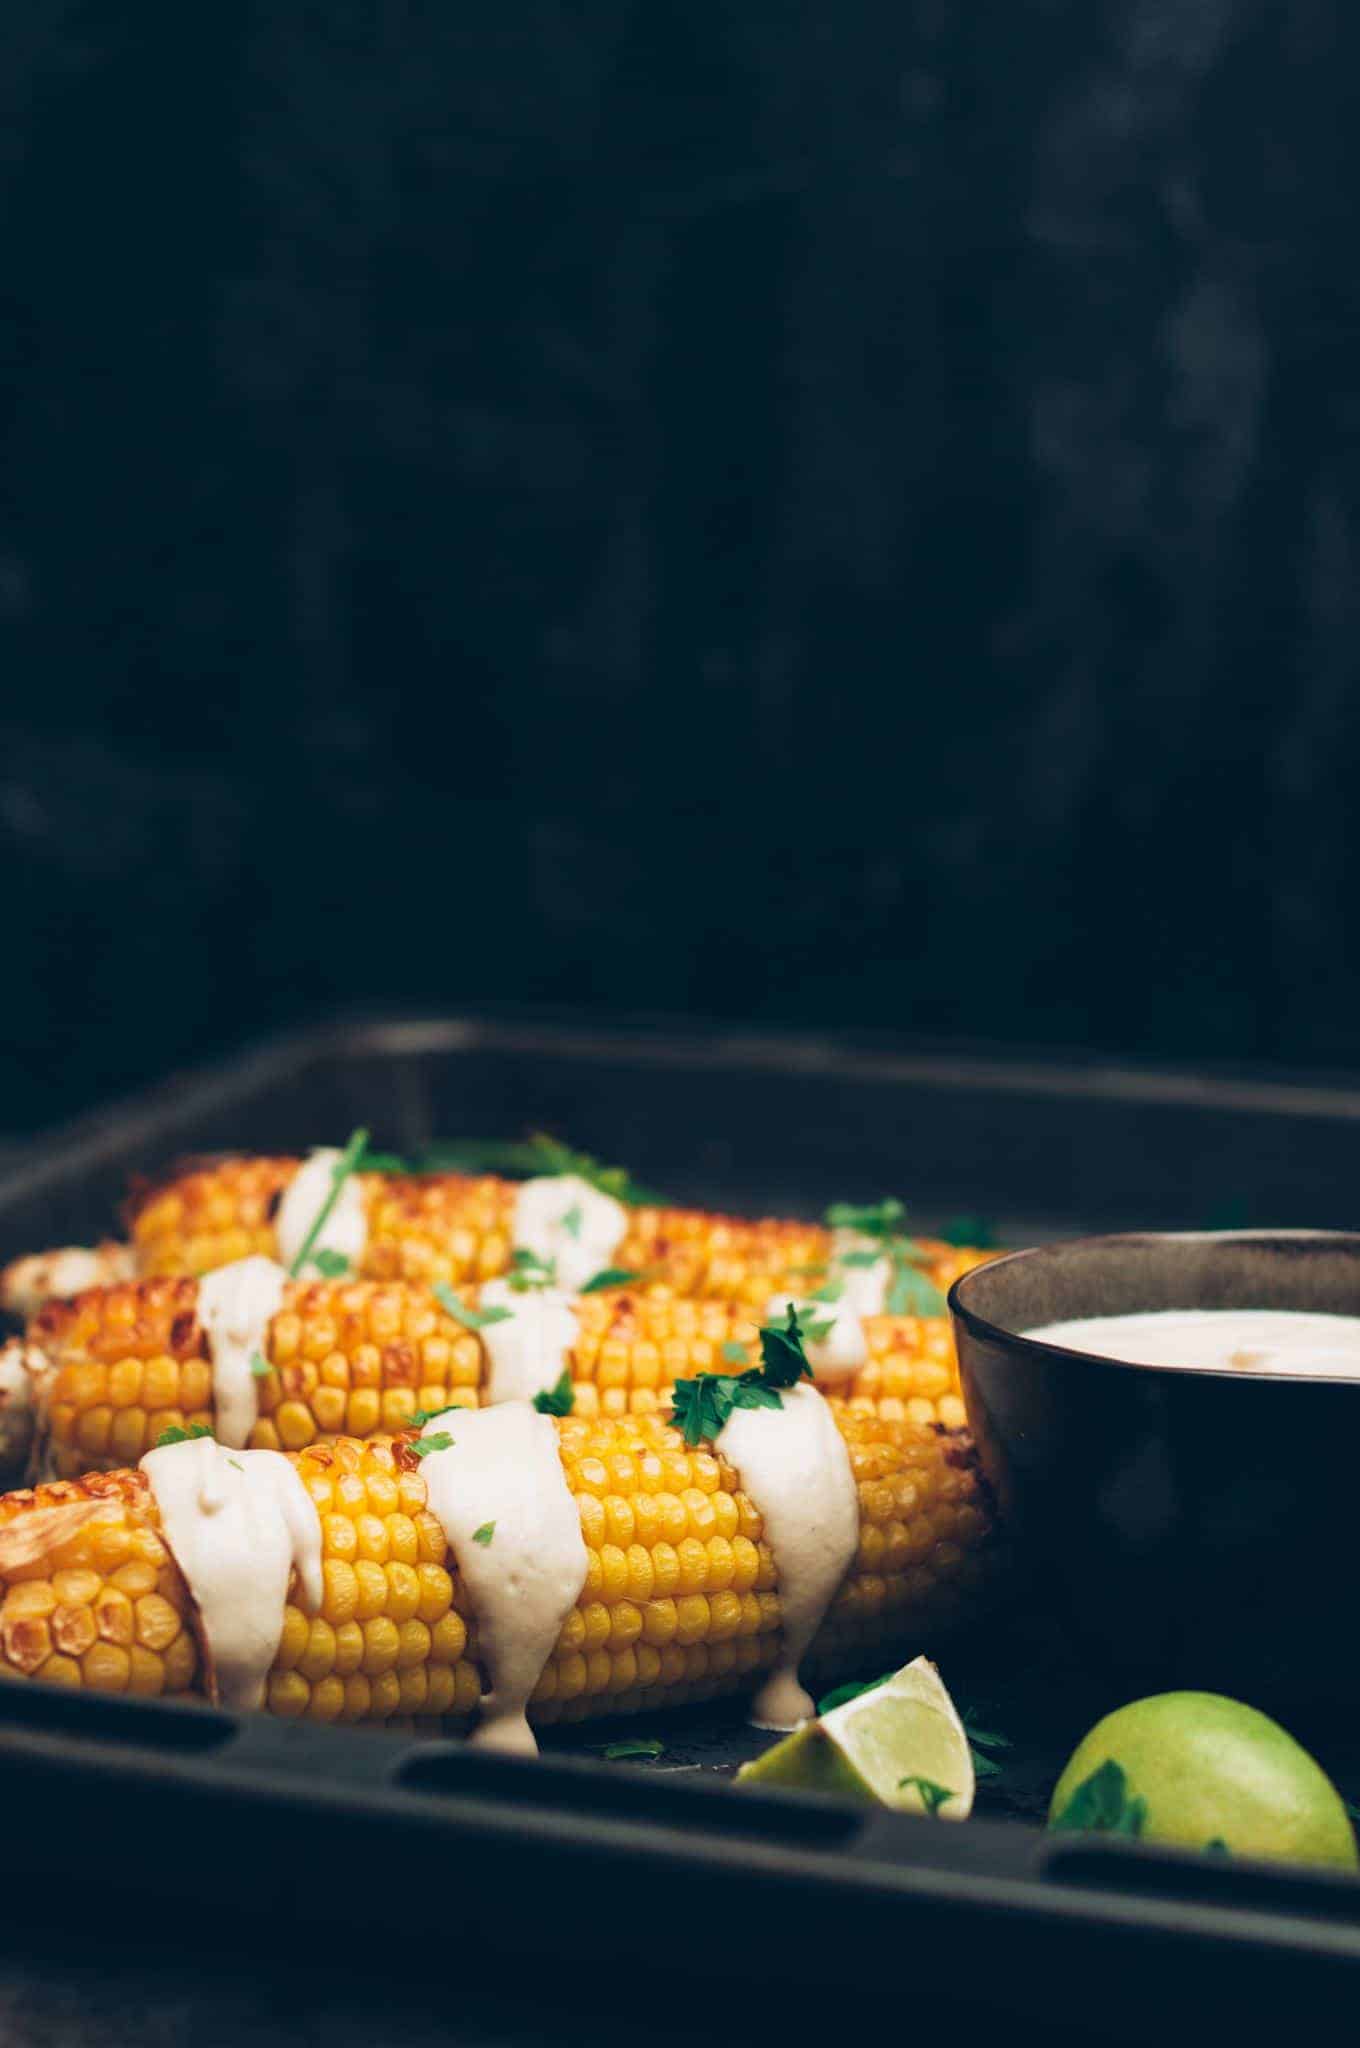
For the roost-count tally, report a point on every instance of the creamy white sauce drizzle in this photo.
(842, 1348)
(864, 1289)
(795, 1468)
(346, 1228)
(504, 1469)
(562, 1218)
(57, 1275)
(1241, 1340)
(237, 1523)
(236, 1305)
(527, 1355)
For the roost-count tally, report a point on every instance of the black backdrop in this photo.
(833, 514)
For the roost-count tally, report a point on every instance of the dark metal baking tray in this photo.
(749, 1122)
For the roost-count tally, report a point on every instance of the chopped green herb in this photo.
(558, 1400)
(982, 1738)
(817, 1331)
(387, 1162)
(470, 1318)
(1101, 1805)
(872, 1219)
(1218, 1847)
(911, 1292)
(861, 1261)
(631, 1747)
(843, 1693)
(611, 1276)
(832, 1290)
(424, 1415)
(345, 1165)
(933, 1796)
(176, 1435)
(701, 1406)
(484, 1534)
(330, 1264)
(783, 1359)
(734, 1353)
(528, 1271)
(259, 1364)
(974, 1232)
(572, 1219)
(537, 1155)
(423, 1445)
(237, 1463)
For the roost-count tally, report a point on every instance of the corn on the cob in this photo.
(458, 1229)
(356, 1358)
(681, 1599)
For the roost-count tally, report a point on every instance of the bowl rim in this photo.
(982, 1327)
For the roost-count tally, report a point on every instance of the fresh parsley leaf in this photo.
(176, 1435)
(387, 1162)
(1101, 1805)
(985, 1766)
(631, 1747)
(872, 1219)
(860, 1260)
(470, 1318)
(528, 1271)
(816, 1331)
(572, 1219)
(975, 1233)
(539, 1154)
(484, 1534)
(259, 1365)
(832, 1290)
(783, 1359)
(345, 1165)
(911, 1292)
(982, 1738)
(558, 1400)
(237, 1463)
(843, 1693)
(933, 1796)
(611, 1276)
(424, 1415)
(734, 1353)
(330, 1264)
(423, 1445)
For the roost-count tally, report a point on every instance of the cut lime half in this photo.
(901, 1744)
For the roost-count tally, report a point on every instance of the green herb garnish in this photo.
(558, 1400)
(260, 1365)
(345, 1165)
(980, 1740)
(423, 1445)
(330, 1264)
(1101, 1805)
(843, 1693)
(387, 1162)
(630, 1747)
(734, 1353)
(424, 1415)
(933, 1796)
(612, 1276)
(538, 1154)
(910, 1291)
(528, 1271)
(176, 1435)
(484, 1534)
(1218, 1847)
(831, 1290)
(470, 1318)
(571, 1220)
(701, 1406)
(237, 1463)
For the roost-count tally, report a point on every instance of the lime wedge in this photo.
(901, 1744)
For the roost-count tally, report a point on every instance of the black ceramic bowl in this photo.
(1190, 1527)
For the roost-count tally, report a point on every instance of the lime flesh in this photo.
(905, 1729)
(1213, 1772)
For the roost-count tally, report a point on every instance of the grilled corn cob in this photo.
(458, 1229)
(359, 1357)
(681, 1599)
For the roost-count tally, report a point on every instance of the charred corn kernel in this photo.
(657, 1620)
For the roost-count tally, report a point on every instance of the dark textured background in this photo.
(798, 513)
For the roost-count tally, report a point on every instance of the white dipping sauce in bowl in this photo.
(1219, 1339)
